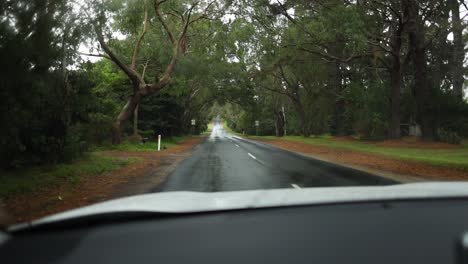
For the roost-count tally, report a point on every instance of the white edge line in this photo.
(237, 145)
(295, 186)
(252, 156)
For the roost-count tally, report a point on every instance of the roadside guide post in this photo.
(159, 142)
(193, 122)
(257, 124)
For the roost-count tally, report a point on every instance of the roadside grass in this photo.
(46, 177)
(95, 163)
(144, 147)
(452, 158)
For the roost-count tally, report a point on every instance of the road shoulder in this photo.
(399, 170)
(137, 178)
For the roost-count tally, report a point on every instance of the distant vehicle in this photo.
(408, 223)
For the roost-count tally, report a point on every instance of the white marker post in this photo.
(159, 142)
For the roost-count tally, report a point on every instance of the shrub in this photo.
(99, 128)
(75, 144)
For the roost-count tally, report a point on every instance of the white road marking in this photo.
(252, 156)
(295, 186)
(236, 137)
(237, 145)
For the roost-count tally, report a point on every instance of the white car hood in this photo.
(189, 202)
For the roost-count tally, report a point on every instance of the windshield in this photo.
(109, 99)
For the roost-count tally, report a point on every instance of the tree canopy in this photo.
(75, 74)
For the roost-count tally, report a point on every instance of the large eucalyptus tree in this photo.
(173, 19)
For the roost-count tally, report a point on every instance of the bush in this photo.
(75, 144)
(448, 136)
(149, 134)
(99, 128)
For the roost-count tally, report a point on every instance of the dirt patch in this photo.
(400, 167)
(137, 178)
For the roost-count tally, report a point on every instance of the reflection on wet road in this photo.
(225, 162)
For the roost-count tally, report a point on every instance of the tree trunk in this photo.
(135, 120)
(458, 51)
(394, 132)
(395, 82)
(302, 117)
(422, 88)
(339, 118)
(279, 123)
(124, 117)
(340, 108)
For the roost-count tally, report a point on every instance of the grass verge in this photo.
(45, 177)
(452, 158)
(148, 146)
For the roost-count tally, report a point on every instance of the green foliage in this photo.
(368, 109)
(98, 128)
(325, 62)
(330, 62)
(36, 96)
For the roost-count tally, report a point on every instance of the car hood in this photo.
(191, 202)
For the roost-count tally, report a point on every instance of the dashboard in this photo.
(421, 231)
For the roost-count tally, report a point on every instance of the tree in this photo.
(178, 41)
(37, 43)
(458, 49)
(423, 91)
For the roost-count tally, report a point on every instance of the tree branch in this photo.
(334, 58)
(140, 39)
(157, 5)
(95, 55)
(204, 15)
(145, 66)
(177, 44)
(131, 74)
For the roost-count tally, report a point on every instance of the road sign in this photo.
(193, 122)
(257, 123)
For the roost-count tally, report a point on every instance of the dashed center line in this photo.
(252, 156)
(295, 186)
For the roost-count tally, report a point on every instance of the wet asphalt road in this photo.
(225, 162)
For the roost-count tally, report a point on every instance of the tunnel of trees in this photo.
(77, 74)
